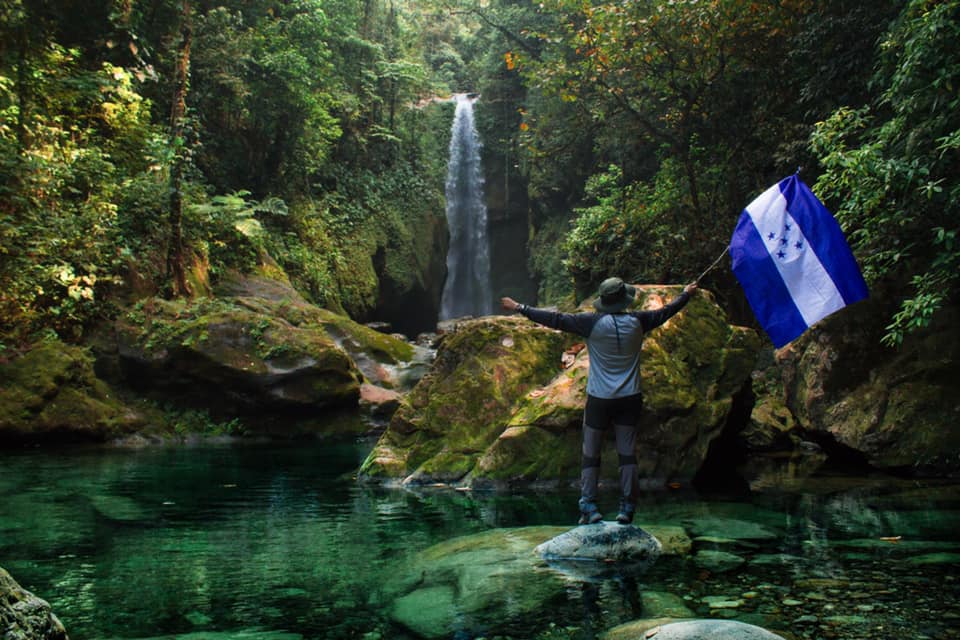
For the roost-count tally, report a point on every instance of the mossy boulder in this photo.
(52, 392)
(24, 616)
(258, 348)
(896, 408)
(235, 357)
(496, 409)
(464, 403)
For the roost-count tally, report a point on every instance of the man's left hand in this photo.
(691, 288)
(509, 304)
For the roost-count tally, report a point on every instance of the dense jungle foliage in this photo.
(152, 146)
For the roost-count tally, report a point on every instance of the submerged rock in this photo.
(24, 616)
(497, 409)
(491, 581)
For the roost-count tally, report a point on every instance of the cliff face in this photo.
(497, 408)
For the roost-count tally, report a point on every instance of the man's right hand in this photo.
(509, 304)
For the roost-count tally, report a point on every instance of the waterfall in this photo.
(467, 289)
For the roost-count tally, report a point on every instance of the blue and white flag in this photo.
(792, 261)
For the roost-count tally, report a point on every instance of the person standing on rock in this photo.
(614, 338)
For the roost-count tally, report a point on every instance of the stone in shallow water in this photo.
(428, 612)
(490, 580)
(674, 540)
(661, 604)
(722, 602)
(717, 561)
(601, 550)
(602, 541)
(691, 630)
(936, 558)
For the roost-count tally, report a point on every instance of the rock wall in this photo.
(897, 408)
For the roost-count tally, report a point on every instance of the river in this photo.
(277, 541)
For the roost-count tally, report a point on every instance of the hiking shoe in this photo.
(626, 513)
(590, 517)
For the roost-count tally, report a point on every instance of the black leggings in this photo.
(623, 414)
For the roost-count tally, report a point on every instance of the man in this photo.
(614, 339)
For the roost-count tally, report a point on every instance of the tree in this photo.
(892, 170)
(176, 254)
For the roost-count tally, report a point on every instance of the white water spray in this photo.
(467, 289)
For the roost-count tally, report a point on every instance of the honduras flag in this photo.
(792, 261)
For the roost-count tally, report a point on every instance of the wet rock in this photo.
(234, 356)
(602, 541)
(24, 616)
(448, 420)
(674, 540)
(601, 550)
(378, 402)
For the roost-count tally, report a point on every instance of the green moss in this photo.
(385, 348)
(454, 412)
(530, 453)
(53, 388)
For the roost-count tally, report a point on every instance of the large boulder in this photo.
(24, 616)
(233, 356)
(52, 392)
(896, 408)
(256, 349)
(497, 410)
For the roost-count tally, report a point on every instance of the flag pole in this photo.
(715, 263)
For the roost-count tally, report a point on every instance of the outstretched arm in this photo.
(579, 323)
(653, 319)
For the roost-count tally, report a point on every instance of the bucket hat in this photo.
(615, 295)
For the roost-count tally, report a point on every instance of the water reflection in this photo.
(279, 541)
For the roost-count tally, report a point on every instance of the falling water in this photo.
(467, 289)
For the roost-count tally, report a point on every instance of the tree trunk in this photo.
(176, 258)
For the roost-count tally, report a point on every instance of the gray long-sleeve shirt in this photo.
(614, 341)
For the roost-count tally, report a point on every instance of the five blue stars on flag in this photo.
(783, 242)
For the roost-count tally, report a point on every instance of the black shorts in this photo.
(600, 413)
